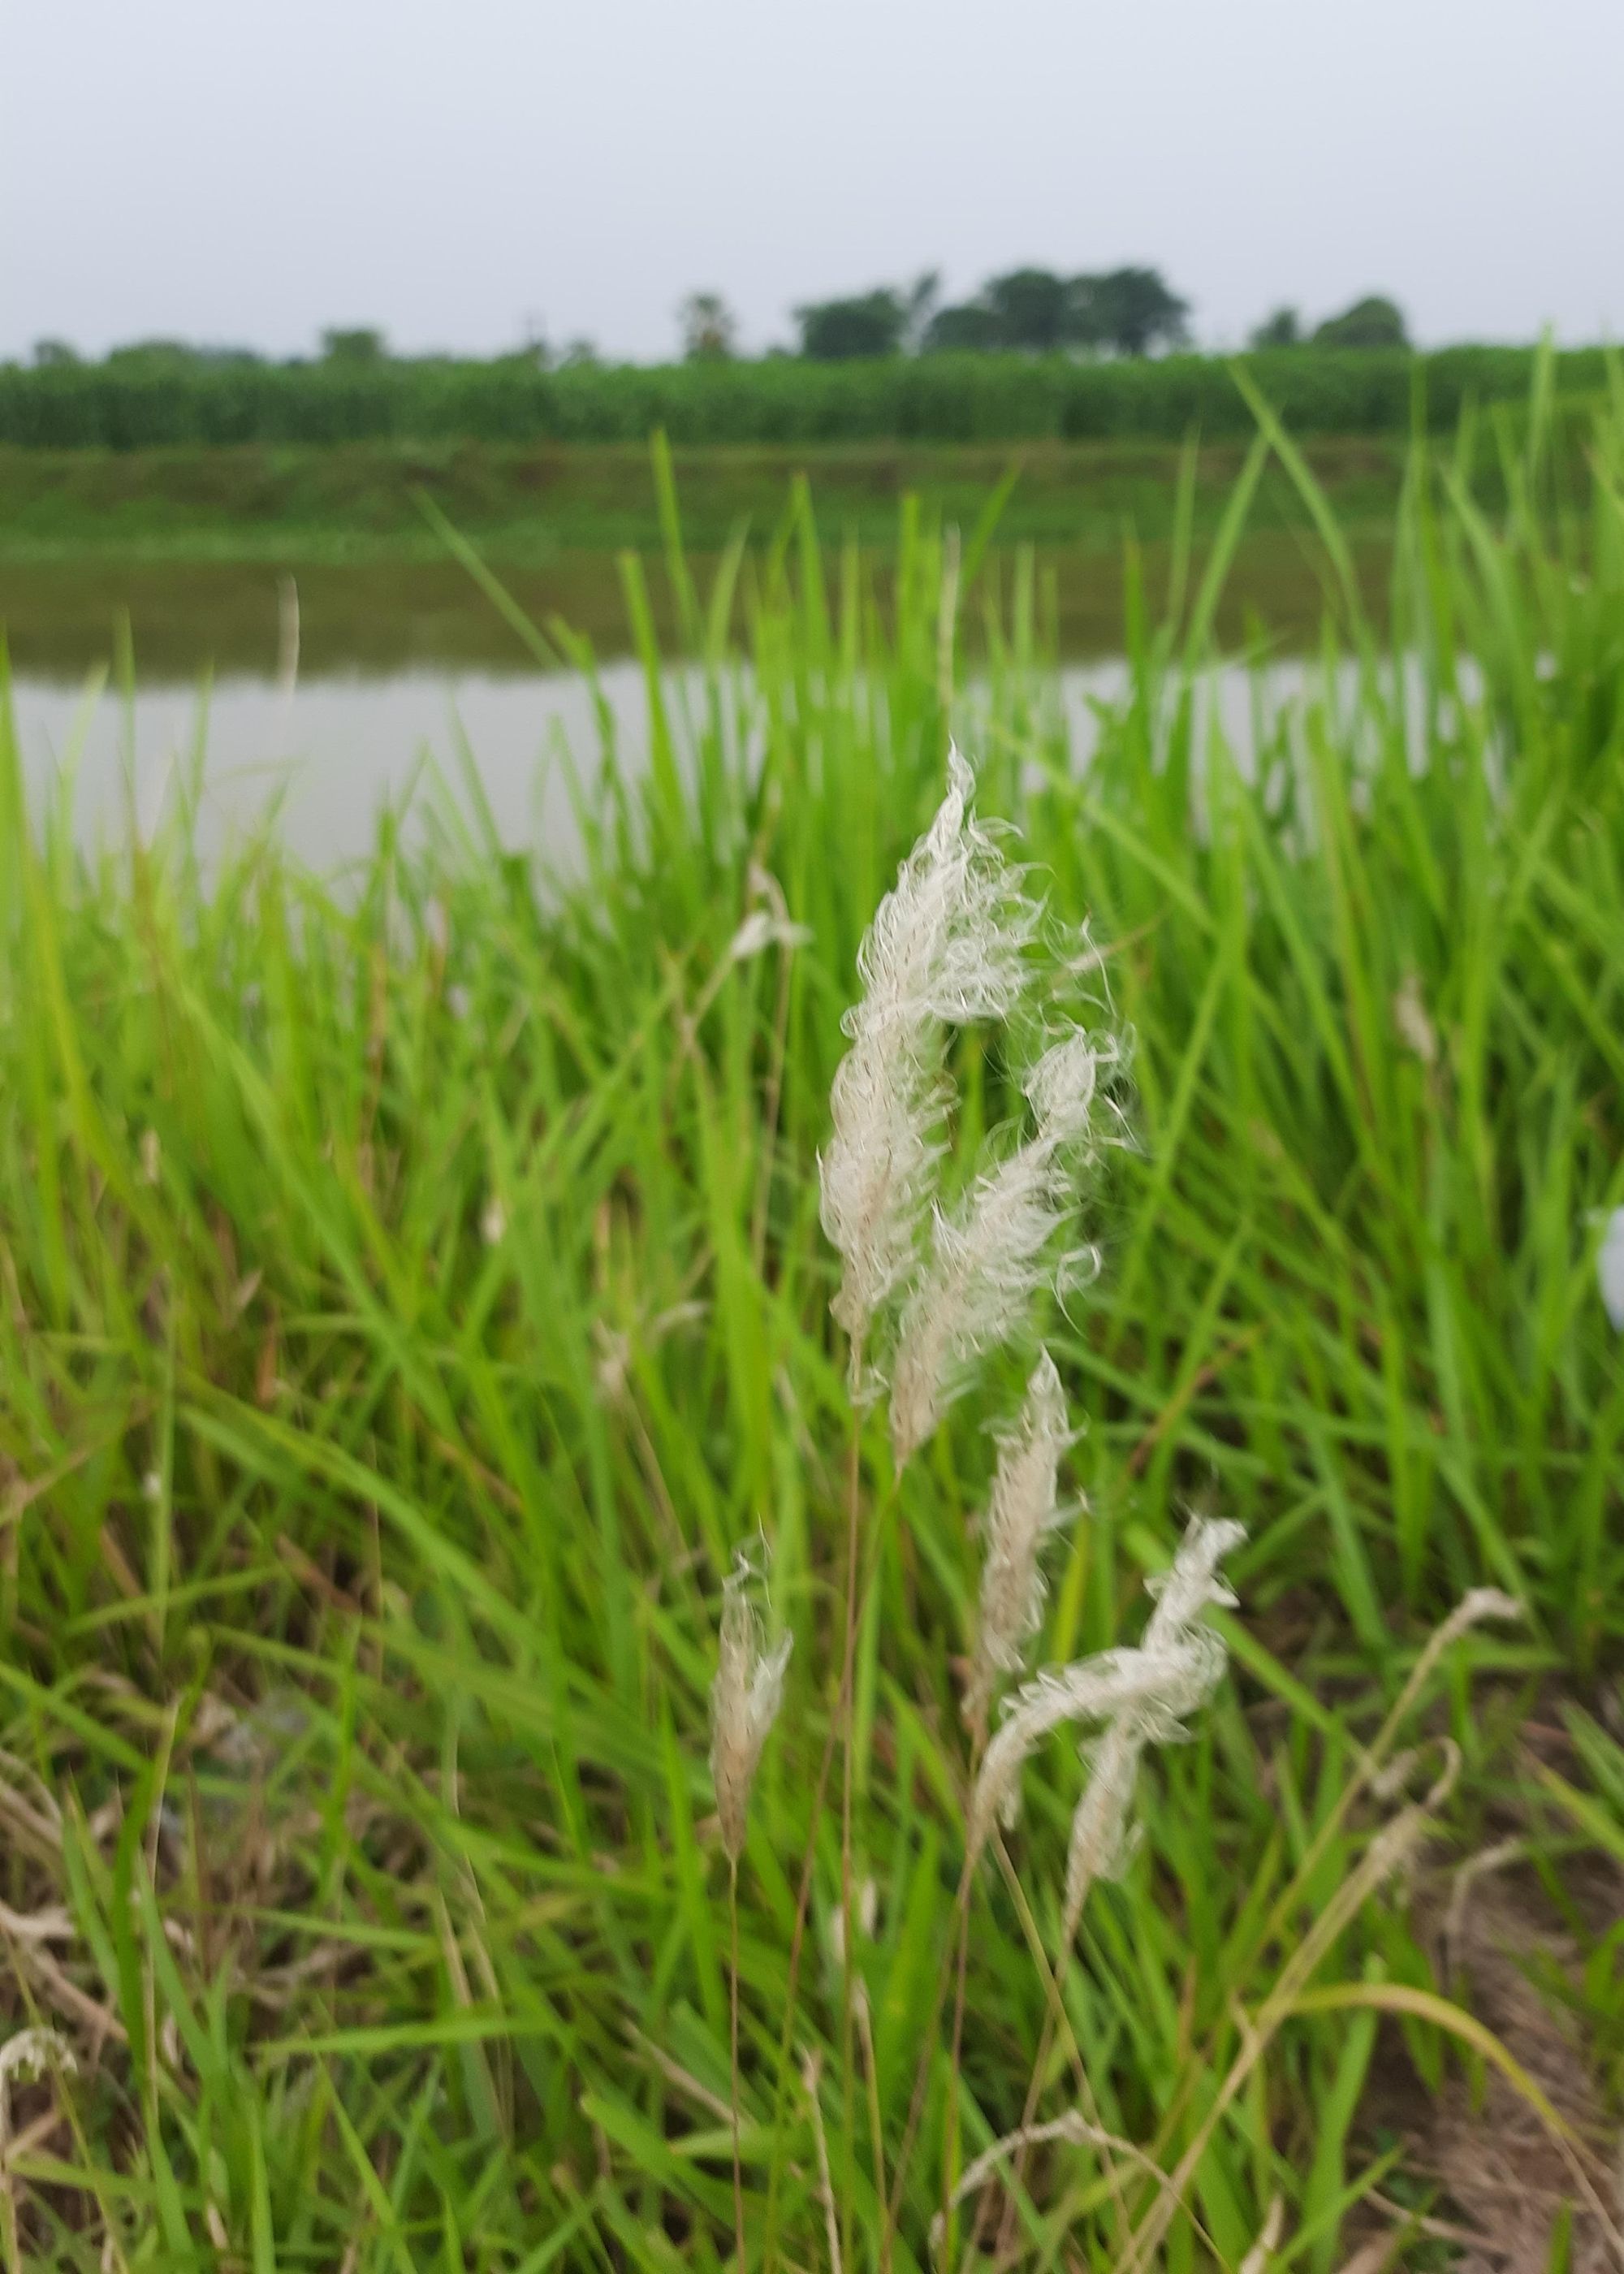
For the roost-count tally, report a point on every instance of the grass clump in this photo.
(412, 1291)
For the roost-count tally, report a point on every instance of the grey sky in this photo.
(456, 171)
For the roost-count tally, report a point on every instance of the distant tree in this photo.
(837, 331)
(1129, 312)
(155, 357)
(708, 328)
(1282, 329)
(152, 352)
(1373, 322)
(579, 355)
(54, 354)
(359, 345)
(1031, 308)
(969, 326)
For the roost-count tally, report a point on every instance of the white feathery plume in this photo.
(1021, 1511)
(992, 1253)
(761, 930)
(946, 946)
(744, 1703)
(1096, 1689)
(26, 2056)
(1100, 1844)
(31, 2053)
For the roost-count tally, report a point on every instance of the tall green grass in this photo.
(411, 1291)
(137, 403)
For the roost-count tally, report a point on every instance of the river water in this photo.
(338, 694)
(335, 749)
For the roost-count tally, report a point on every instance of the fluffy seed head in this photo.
(991, 1254)
(1159, 1688)
(31, 2053)
(1022, 1510)
(744, 1703)
(24, 2057)
(1102, 1840)
(946, 946)
(1183, 1592)
(1100, 1843)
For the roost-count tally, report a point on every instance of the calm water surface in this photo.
(335, 750)
(340, 691)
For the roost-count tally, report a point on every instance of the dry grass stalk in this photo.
(810, 2070)
(1268, 2238)
(745, 1698)
(1075, 2130)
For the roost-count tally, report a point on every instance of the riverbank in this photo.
(194, 545)
(356, 504)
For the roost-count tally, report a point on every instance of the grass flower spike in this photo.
(1091, 1690)
(1142, 1694)
(26, 2057)
(992, 1253)
(946, 946)
(1098, 1841)
(1022, 1510)
(744, 1703)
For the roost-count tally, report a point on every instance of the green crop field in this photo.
(413, 1294)
(154, 397)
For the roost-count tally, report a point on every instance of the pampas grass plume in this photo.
(1022, 1510)
(992, 1253)
(1099, 1844)
(946, 946)
(745, 1698)
(1091, 1690)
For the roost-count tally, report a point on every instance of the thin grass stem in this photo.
(733, 2034)
(845, 1712)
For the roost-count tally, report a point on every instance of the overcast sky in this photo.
(465, 172)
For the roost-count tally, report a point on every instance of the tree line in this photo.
(1117, 312)
(1128, 312)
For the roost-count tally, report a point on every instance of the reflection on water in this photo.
(59, 618)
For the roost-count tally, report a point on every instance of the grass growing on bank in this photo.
(413, 1293)
(191, 543)
(357, 503)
